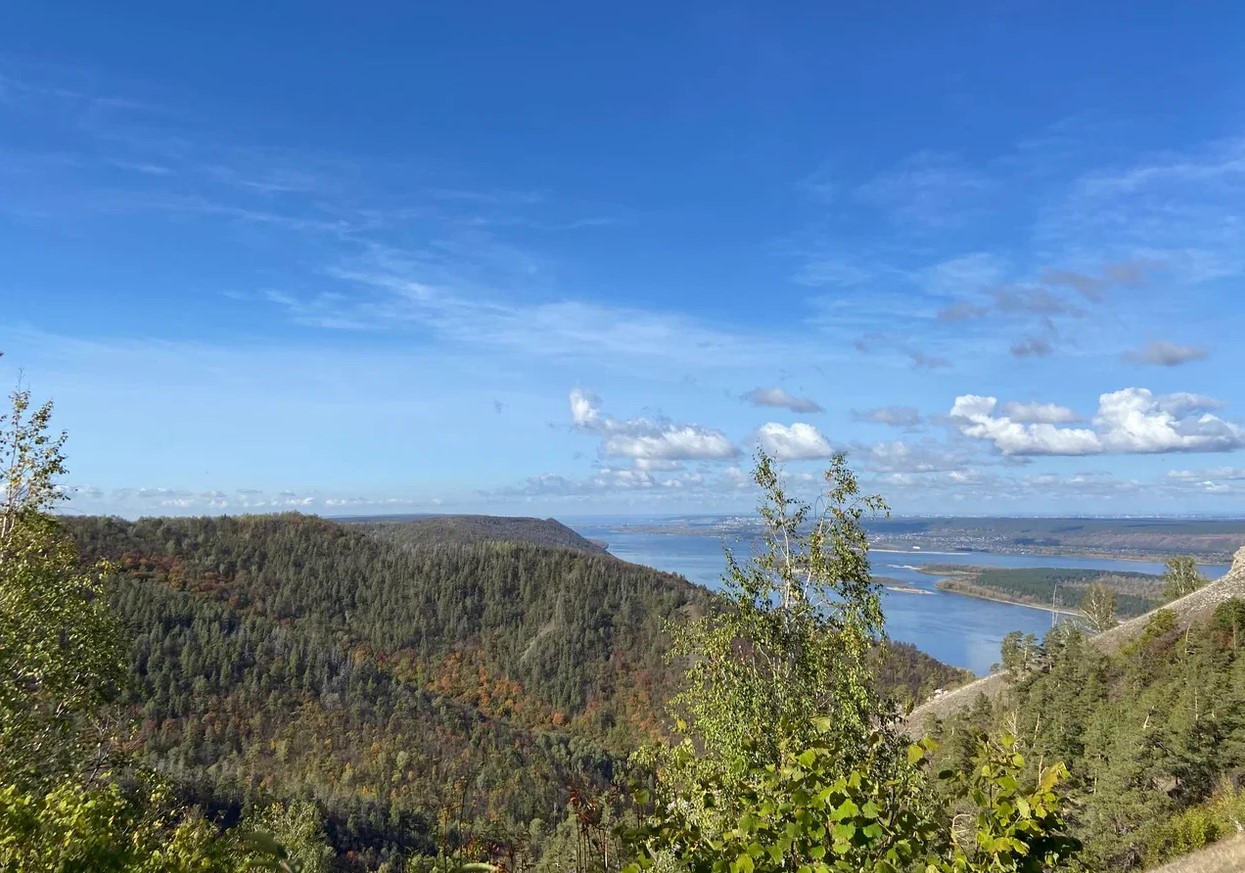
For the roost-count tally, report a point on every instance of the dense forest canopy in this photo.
(391, 676)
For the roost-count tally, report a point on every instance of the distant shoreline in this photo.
(982, 596)
(1056, 553)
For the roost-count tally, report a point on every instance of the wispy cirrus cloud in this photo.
(927, 189)
(568, 330)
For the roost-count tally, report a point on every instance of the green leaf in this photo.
(843, 832)
(847, 809)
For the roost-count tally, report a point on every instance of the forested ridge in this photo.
(290, 656)
(298, 656)
(1152, 730)
(440, 530)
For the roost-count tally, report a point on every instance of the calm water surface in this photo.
(956, 629)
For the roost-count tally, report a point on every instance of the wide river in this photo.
(954, 628)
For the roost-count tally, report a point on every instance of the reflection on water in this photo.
(956, 629)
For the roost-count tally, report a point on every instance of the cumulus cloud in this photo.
(1129, 421)
(1136, 421)
(782, 399)
(975, 417)
(670, 443)
(893, 416)
(646, 440)
(1044, 413)
(1164, 353)
(797, 442)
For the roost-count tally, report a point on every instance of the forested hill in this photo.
(293, 656)
(440, 530)
(298, 656)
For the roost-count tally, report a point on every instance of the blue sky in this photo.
(564, 259)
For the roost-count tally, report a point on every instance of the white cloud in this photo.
(1130, 421)
(1135, 421)
(670, 443)
(584, 408)
(647, 440)
(797, 442)
(1164, 353)
(782, 399)
(1043, 413)
(975, 417)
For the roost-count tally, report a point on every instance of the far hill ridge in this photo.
(423, 531)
